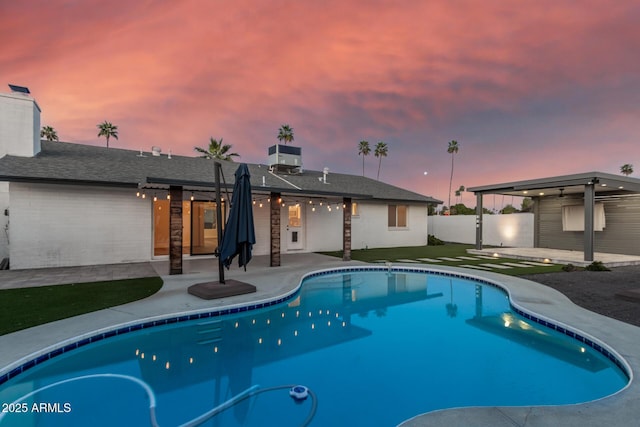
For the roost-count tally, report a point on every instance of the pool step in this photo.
(210, 322)
(210, 341)
(208, 331)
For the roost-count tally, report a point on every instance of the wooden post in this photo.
(346, 229)
(175, 230)
(274, 215)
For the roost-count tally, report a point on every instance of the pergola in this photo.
(590, 185)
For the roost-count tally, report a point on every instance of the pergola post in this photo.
(346, 229)
(479, 221)
(589, 207)
(175, 230)
(274, 215)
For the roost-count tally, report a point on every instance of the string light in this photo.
(144, 196)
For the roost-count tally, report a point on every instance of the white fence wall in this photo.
(514, 230)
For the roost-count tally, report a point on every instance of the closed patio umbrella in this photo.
(239, 233)
(238, 239)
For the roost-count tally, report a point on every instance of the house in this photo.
(589, 212)
(66, 204)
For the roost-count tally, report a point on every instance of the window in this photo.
(295, 216)
(397, 216)
(573, 217)
(354, 209)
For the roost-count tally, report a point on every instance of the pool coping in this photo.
(543, 303)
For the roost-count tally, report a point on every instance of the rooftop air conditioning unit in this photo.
(285, 158)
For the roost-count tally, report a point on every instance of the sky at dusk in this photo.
(528, 88)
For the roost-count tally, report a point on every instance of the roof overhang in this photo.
(566, 184)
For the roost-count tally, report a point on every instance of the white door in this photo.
(295, 235)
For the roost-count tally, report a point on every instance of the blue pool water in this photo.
(375, 348)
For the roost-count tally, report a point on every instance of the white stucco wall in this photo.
(370, 228)
(323, 228)
(514, 230)
(53, 226)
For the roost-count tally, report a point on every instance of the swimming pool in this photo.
(376, 347)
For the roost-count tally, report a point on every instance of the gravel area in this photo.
(598, 290)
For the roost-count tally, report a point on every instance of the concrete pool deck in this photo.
(620, 410)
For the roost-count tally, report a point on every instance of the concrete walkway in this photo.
(618, 410)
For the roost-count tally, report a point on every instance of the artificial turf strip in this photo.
(26, 307)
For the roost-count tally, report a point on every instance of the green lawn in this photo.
(26, 307)
(450, 250)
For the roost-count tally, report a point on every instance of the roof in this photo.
(565, 184)
(69, 163)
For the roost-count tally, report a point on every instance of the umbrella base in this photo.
(214, 290)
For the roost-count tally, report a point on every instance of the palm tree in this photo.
(363, 149)
(217, 150)
(626, 169)
(49, 133)
(108, 130)
(453, 148)
(285, 133)
(380, 152)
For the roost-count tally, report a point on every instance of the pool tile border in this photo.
(268, 303)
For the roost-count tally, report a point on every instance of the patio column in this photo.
(346, 229)
(175, 230)
(479, 221)
(274, 216)
(589, 234)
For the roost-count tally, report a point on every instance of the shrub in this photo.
(569, 268)
(597, 266)
(433, 240)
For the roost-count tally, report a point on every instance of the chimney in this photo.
(19, 123)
